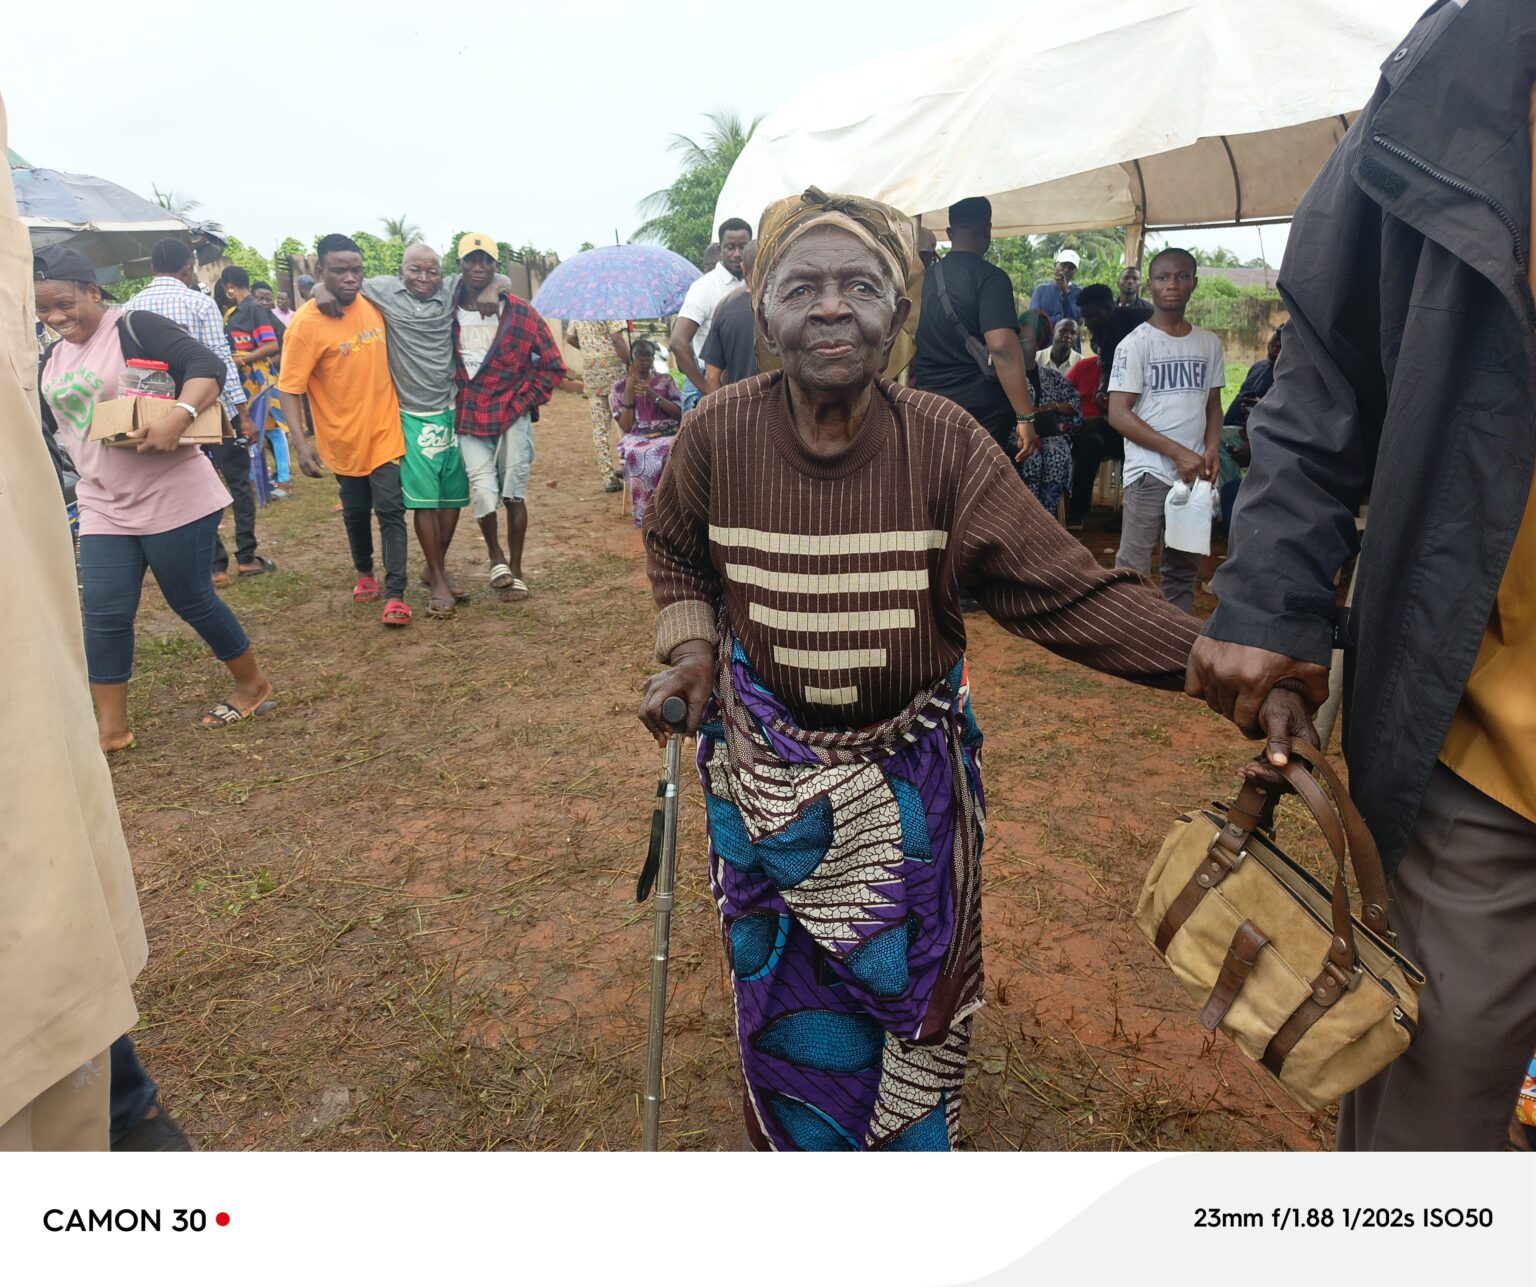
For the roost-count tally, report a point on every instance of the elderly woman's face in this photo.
(829, 311)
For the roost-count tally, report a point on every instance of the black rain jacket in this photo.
(1406, 377)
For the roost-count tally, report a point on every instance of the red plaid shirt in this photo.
(519, 373)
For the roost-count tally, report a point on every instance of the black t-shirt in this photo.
(1125, 319)
(982, 297)
(732, 342)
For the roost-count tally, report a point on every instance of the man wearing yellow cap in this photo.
(506, 367)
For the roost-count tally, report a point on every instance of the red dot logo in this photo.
(221, 1219)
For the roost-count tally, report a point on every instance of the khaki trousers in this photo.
(69, 1117)
(1463, 904)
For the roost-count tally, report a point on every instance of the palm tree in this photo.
(680, 215)
(402, 229)
(182, 207)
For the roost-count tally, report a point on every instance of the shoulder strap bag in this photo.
(973, 346)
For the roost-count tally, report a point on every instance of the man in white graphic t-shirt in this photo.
(1165, 401)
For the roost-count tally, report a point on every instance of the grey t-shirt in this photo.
(1172, 377)
(420, 341)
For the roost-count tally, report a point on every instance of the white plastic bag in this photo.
(1187, 516)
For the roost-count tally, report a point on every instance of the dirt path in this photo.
(400, 912)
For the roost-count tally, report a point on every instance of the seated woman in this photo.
(647, 407)
(156, 506)
(808, 548)
(1046, 467)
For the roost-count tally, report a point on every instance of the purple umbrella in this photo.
(616, 284)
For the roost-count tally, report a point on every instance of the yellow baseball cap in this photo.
(478, 241)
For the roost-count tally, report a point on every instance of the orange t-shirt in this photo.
(342, 363)
(1492, 741)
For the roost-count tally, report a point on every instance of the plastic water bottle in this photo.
(143, 378)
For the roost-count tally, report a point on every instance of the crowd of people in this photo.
(870, 439)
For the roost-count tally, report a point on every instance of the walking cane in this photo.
(661, 869)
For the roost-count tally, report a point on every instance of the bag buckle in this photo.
(1347, 982)
(1231, 861)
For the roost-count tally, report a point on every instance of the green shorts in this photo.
(432, 474)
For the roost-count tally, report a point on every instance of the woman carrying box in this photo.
(155, 506)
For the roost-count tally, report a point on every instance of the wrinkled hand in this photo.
(691, 677)
(1255, 688)
(1287, 717)
(162, 434)
(326, 302)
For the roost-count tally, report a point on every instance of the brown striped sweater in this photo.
(842, 575)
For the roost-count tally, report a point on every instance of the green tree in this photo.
(381, 256)
(401, 230)
(253, 261)
(1022, 260)
(681, 216)
(182, 206)
(1220, 257)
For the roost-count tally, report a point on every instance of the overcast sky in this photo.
(542, 124)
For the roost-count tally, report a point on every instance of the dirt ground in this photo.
(399, 912)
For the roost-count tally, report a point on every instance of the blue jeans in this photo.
(112, 578)
(691, 395)
(133, 1089)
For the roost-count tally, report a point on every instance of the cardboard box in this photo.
(114, 420)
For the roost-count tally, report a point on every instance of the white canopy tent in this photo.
(1143, 113)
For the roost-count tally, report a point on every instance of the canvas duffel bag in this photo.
(1320, 997)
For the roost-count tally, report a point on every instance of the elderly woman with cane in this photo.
(808, 547)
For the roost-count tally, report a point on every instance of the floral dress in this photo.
(1048, 472)
(643, 451)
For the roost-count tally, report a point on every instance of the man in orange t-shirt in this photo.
(342, 363)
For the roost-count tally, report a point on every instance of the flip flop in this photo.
(517, 591)
(366, 590)
(396, 613)
(459, 595)
(126, 746)
(440, 609)
(501, 577)
(223, 715)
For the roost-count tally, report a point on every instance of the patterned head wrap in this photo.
(885, 230)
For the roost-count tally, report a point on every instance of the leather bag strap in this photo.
(1242, 956)
(1364, 856)
(1341, 950)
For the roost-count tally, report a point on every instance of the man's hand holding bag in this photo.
(1274, 957)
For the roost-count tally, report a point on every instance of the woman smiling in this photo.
(153, 507)
(808, 547)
